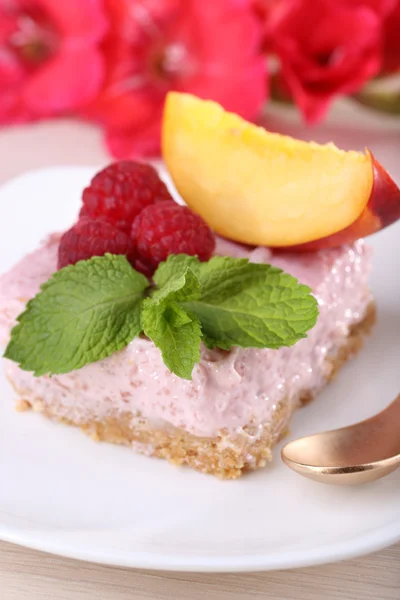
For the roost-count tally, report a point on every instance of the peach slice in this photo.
(382, 209)
(262, 188)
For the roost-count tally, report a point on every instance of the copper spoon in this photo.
(356, 454)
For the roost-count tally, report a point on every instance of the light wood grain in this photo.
(30, 575)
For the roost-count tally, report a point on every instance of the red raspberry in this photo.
(168, 228)
(89, 238)
(119, 192)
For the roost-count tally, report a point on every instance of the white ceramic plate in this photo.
(62, 493)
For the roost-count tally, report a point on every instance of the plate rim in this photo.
(360, 546)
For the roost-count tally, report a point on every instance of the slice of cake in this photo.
(144, 328)
(238, 403)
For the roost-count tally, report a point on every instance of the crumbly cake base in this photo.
(227, 455)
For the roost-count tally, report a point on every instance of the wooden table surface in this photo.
(30, 575)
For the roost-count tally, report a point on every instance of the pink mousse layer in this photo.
(228, 390)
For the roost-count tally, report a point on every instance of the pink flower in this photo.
(381, 7)
(391, 41)
(389, 11)
(326, 48)
(208, 48)
(50, 62)
(267, 10)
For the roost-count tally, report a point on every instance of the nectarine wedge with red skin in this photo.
(261, 188)
(382, 209)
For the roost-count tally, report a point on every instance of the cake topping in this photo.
(168, 228)
(120, 191)
(249, 185)
(89, 238)
(127, 209)
(88, 311)
(262, 188)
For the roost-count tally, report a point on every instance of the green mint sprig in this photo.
(88, 311)
(175, 331)
(82, 314)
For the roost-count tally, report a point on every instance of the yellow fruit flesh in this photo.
(257, 187)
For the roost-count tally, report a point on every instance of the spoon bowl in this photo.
(356, 454)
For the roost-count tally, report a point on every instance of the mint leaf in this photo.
(175, 265)
(179, 345)
(245, 304)
(182, 286)
(176, 315)
(175, 331)
(251, 305)
(83, 314)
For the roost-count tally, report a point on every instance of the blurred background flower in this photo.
(113, 61)
(50, 61)
(211, 49)
(325, 49)
(388, 12)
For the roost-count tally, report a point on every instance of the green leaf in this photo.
(182, 286)
(176, 315)
(175, 331)
(251, 305)
(175, 265)
(83, 314)
(179, 345)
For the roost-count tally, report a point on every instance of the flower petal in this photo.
(240, 90)
(315, 103)
(343, 52)
(83, 20)
(210, 48)
(134, 143)
(391, 51)
(65, 83)
(118, 109)
(220, 26)
(381, 7)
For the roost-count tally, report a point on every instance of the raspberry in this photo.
(89, 238)
(119, 192)
(168, 228)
